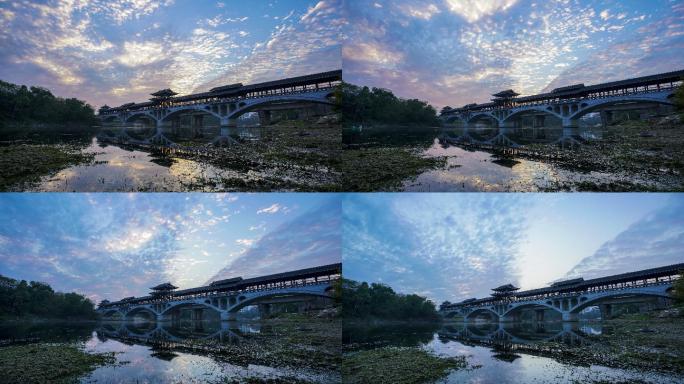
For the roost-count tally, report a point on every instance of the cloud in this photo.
(473, 10)
(113, 52)
(273, 208)
(311, 239)
(654, 241)
(447, 246)
(459, 52)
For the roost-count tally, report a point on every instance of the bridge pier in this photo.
(606, 311)
(569, 316)
(228, 316)
(264, 118)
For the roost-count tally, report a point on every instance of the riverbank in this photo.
(645, 342)
(23, 164)
(391, 365)
(48, 363)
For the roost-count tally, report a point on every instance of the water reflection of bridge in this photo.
(563, 107)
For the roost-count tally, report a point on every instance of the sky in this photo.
(458, 246)
(118, 51)
(456, 52)
(117, 245)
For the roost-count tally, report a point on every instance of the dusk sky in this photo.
(117, 245)
(457, 246)
(119, 51)
(456, 52)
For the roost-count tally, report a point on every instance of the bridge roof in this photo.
(584, 284)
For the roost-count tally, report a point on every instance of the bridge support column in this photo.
(264, 309)
(606, 311)
(569, 316)
(196, 314)
(606, 118)
(539, 315)
(228, 126)
(264, 118)
(228, 316)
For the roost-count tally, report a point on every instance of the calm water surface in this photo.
(123, 169)
(473, 171)
(503, 354)
(161, 352)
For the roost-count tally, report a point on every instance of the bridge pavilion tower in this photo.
(163, 291)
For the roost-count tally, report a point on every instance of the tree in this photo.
(379, 301)
(445, 110)
(679, 288)
(679, 97)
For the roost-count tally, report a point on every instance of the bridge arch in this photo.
(618, 101)
(111, 119)
(189, 109)
(243, 107)
(484, 115)
(185, 305)
(535, 109)
(247, 301)
(138, 115)
(138, 310)
(112, 312)
(590, 302)
(479, 311)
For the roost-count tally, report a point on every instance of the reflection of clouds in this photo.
(654, 241)
(423, 242)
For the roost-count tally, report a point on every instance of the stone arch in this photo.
(255, 299)
(616, 101)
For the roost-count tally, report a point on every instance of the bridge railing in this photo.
(564, 295)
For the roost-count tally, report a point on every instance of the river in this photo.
(612, 159)
(514, 353)
(195, 351)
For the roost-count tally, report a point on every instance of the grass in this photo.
(47, 363)
(397, 366)
(382, 168)
(21, 164)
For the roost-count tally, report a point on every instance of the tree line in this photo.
(21, 104)
(363, 105)
(361, 301)
(21, 299)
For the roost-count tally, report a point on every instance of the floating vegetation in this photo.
(47, 363)
(393, 365)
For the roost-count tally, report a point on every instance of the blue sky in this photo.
(117, 245)
(457, 246)
(117, 51)
(455, 52)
